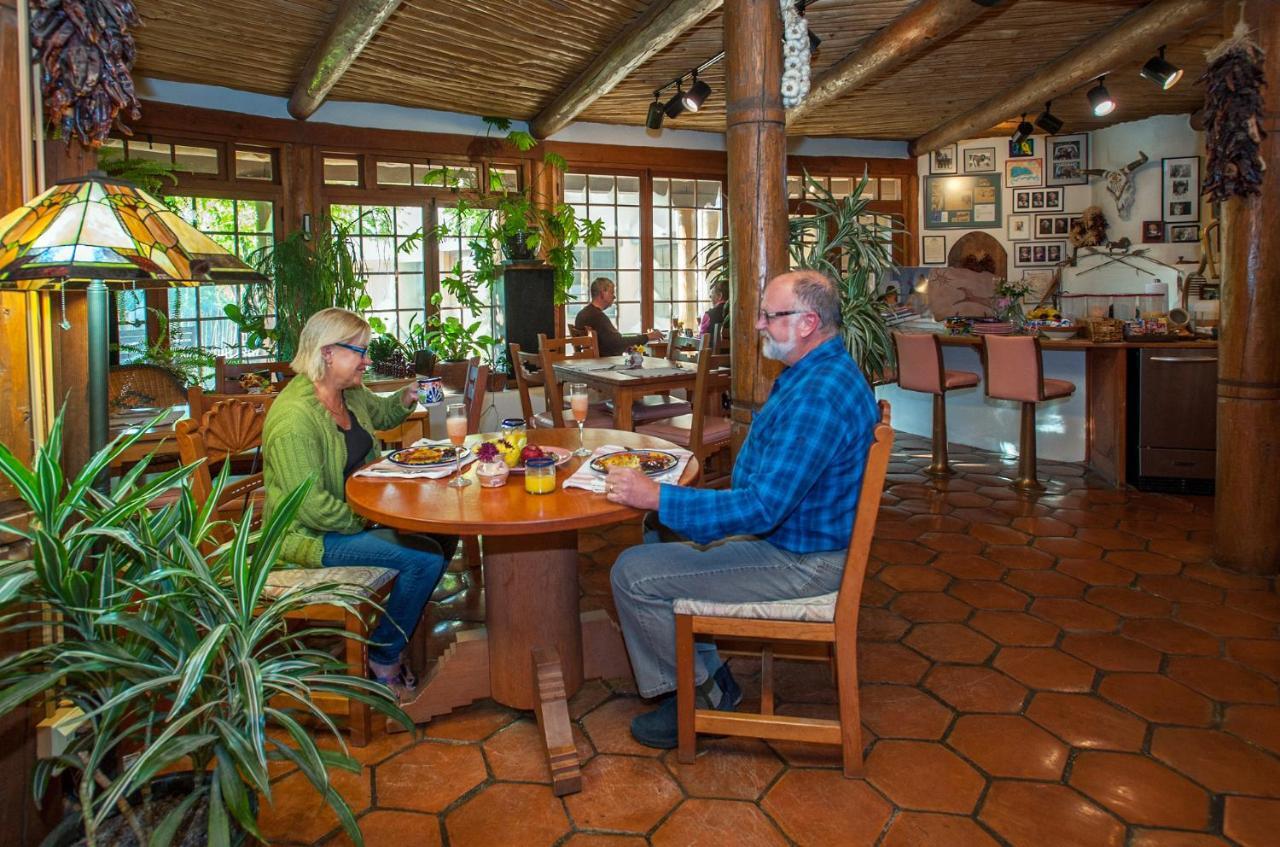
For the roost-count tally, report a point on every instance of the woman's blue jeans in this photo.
(420, 562)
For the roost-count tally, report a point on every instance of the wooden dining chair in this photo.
(525, 367)
(473, 392)
(829, 619)
(231, 428)
(552, 350)
(226, 375)
(704, 431)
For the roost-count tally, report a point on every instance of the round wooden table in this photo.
(531, 653)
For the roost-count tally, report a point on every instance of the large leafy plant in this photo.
(167, 646)
(450, 339)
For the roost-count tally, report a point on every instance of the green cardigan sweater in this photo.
(300, 441)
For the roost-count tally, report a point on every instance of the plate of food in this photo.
(428, 455)
(651, 462)
(531, 451)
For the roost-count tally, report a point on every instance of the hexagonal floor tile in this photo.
(900, 552)
(1045, 668)
(1225, 621)
(610, 800)
(1074, 615)
(1111, 652)
(968, 566)
(1143, 562)
(899, 711)
(895, 767)
(727, 769)
(1221, 680)
(880, 625)
(822, 807)
(1009, 745)
(950, 642)
(1174, 838)
(1032, 814)
(706, 823)
(587, 839)
(930, 607)
(516, 752)
(505, 813)
(1220, 762)
(430, 776)
(1082, 720)
(1046, 583)
(1172, 637)
(1157, 698)
(1129, 602)
(951, 542)
(926, 829)
(1140, 790)
(1258, 724)
(1095, 572)
(1015, 628)
(475, 722)
(914, 578)
(985, 594)
(975, 689)
(879, 662)
(1251, 821)
(1262, 656)
(388, 827)
(298, 812)
(609, 727)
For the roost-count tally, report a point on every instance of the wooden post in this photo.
(1246, 510)
(755, 138)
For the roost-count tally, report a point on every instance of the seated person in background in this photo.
(719, 305)
(592, 316)
(780, 532)
(322, 426)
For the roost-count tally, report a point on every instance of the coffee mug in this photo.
(430, 390)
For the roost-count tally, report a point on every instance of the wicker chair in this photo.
(143, 386)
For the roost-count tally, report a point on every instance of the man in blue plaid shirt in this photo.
(780, 532)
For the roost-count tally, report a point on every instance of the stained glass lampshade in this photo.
(94, 230)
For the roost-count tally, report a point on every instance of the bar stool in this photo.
(1015, 371)
(920, 368)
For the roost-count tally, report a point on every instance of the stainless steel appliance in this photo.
(1173, 438)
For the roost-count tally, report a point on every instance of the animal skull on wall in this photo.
(1119, 183)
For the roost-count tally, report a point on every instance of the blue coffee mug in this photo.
(430, 390)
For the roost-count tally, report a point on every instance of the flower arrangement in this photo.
(1007, 302)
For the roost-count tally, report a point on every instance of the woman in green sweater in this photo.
(321, 427)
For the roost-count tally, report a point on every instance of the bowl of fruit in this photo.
(516, 452)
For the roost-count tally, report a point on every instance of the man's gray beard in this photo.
(778, 350)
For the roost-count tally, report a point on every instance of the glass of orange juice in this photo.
(578, 400)
(455, 423)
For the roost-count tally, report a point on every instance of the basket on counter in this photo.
(1104, 330)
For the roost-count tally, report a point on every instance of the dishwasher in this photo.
(1173, 414)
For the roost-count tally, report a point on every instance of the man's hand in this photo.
(630, 487)
(654, 335)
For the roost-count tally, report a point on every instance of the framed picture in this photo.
(979, 160)
(1152, 232)
(935, 250)
(1022, 149)
(1180, 189)
(1024, 173)
(963, 202)
(1065, 158)
(1037, 200)
(943, 160)
(1018, 228)
(1183, 233)
(1037, 253)
(1053, 226)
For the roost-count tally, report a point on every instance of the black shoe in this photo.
(730, 692)
(660, 727)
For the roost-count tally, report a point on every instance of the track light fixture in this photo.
(697, 93)
(1048, 121)
(1100, 99)
(1023, 132)
(676, 104)
(1163, 73)
(656, 114)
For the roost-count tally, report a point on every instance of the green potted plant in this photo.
(173, 658)
(185, 363)
(450, 339)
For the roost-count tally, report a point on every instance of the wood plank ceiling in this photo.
(489, 57)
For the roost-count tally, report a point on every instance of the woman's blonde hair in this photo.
(327, 326)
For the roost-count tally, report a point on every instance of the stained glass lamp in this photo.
(94, 231)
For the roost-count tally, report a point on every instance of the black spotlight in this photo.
(1048, 121)
(1023, 132)
(676, 104)
(1100, 99)
(654, 120)
(696, 95)
(1162, 73)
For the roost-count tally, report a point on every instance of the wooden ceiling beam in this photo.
(1127, 42)
(916, 30)
(639, 41)
(353, 27)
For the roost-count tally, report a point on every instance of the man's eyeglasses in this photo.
(359, 351)
(767, 317)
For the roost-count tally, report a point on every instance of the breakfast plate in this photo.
(560, 454)
(651, 462)
(428, 455)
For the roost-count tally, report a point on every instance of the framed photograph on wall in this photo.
(972, 201)
(1184, 233)
(1152, 232)
(1180, 189)
(943, 160)
(1018, 228)
(1023, 173)
(1039, 253)
(1053, 226)
(1065, 158)
(979, 160)
(1022, 149)
(1037, 199)
(934, 250)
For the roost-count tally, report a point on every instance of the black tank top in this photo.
(359, 443)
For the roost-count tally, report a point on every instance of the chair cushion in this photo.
(654, 407)
(1058, 388)
(365, 579)
(820, 609)
(714, 429)
(961, 379)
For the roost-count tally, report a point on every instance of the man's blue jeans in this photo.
(648, 579)
(420, 562)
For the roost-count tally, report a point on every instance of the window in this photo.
(615, 200)
(187, 158)
(255, 164)
(456, 229)
(394, 265)
(341, 171)
(688, 215)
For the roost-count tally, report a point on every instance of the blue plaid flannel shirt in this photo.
(797, 478)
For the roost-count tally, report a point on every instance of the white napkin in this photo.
(586, 478)
(388, 469)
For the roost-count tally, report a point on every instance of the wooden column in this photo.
(755, 137)
(1246, 507)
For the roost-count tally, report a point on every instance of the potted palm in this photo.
(167, 657)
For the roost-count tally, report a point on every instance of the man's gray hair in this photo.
(816, 292)
(600, 285)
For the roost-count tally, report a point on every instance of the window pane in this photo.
(618, 255)
(628, 190)
(395, 173)
(841, 186)
(196, 160)
(254, 164)
(156, 152)
(794, 186)
(661, 192)
(696, 220)
(341, 171)
(575, 188)
(504, 179)
(253, 216)
(600, 190)
(869, 192)
(890, 188)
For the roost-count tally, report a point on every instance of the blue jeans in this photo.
(648, 579)
(420, 562)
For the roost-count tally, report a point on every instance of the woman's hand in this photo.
(630, 487)
(409, 395)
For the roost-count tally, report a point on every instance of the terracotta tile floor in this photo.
(1065, 670)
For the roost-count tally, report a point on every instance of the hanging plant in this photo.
(795, 55)
(1233, 115)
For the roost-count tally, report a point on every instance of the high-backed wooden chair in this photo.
(226, 375)
(552, 350)
(232, 428)
(921, 368)
(525, 367)
(473, 391)
(827, 619)
(704, 431)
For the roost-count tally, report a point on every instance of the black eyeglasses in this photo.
(770, 316)
(359, 351)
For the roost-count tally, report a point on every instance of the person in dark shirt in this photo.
(592, 316)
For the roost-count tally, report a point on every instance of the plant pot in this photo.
(424, 362)
(516, 249)
(497, 381)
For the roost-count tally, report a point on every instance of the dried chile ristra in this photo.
(86, 54)
(1233, 114)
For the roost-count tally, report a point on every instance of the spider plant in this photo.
(167, 647)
